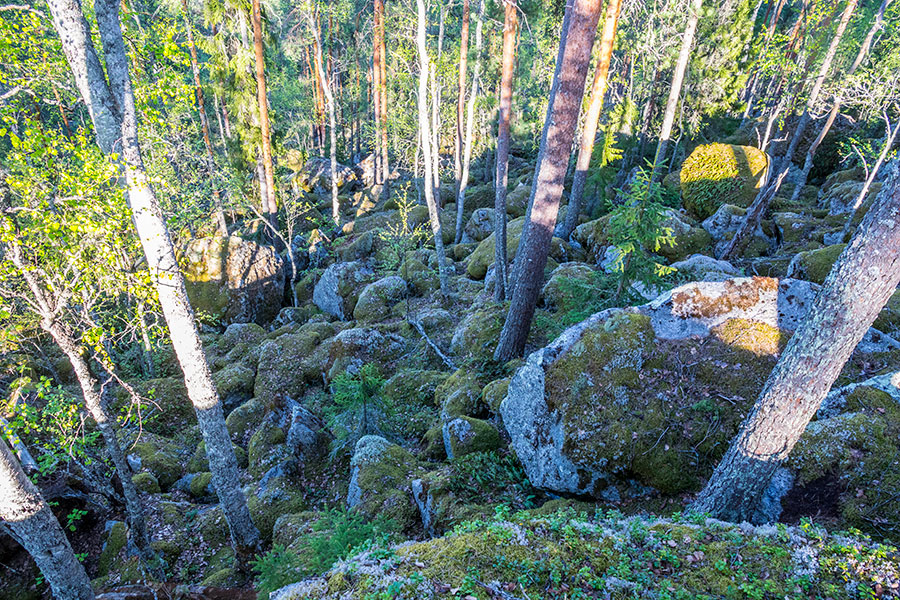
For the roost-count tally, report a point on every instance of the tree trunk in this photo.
(592, 118)
(781, 168)
(566, 94)
(890, 136)
(119, 136)
(262, 99)
(675, 91)
(470, 124)
(204, 120)
(510, 28)
(329, 103)
(436, 135)
(32, 523)
(382, 90)
(425, 133)
(376, 100)
(836, 108)
(859, 285)
(461, 95)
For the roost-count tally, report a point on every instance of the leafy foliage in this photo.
(359, 408)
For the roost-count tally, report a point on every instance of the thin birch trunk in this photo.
(470, 124)
(436, 135)
(263, 101)
(461, 95)
(510, 28)
(382, 90)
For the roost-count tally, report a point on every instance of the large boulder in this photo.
(288, 362)
(653, 393)
(688, 238)
(234, 280)
(814, 265)
(380, 477)
(378, 298)
(480, 225)
(338, 289)
(317, 173)
(716, 174)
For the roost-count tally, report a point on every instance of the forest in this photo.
(449, 299)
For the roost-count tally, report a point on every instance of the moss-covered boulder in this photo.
(480, 225)
(420, 272)
(483, 256)
(566, 554)
(688, 238)
(338, 289)
(413, 386)
(352, 348)
(146, 482)
(517, 200)
(380, 476)
(566, 283)
(888, 320)
(716, 174)
(118, 562)
(459, 395)
(244, 420)
(841, 197)
(476, 336)
(493, 394)
(235, 384)
(169, 406)
(593, 236)
(814, 265)
(378, 298)
(280, 369)
(465, 435)
(233, 280)
(160, 456)
(271, 498)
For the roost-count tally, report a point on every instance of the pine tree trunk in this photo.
(675, 91)
(157, 245)
(592, 118)
(32, 523)
(470, 125)
(204, 120)
(329, 103)
(461, 95)
(262, 100)
(425, 133)
(566, 94)
(376, 101)
(857, 288)
(510, 29)
(382, 90)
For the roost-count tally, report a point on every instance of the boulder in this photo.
(841, 197)
(724, 224)
(289, 361)
(483, 256)
(465, 435)
(480, 225)
(716, 174)
(688, 238)
(705, 268)
(352, 348)
(317, 173)
(339, 287)
(380, 476)
(565, 284)
(814, 265)
(476, 336)
(378, 298)
(234, 280)
(611, 399)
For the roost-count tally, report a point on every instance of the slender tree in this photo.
(332, 121)
(111, 106)
(566, 94)
(592, 118)
(470, 125)
(382, 91)
(376, 95)
(425, 135)
(33, 525)
(271, 206)
(510, 28)
(461, 93)
(857, 288)
(675, 90)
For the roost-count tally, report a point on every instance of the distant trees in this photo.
(857, 288)
(332, 120)
(262, 99)
(566, 93)
(110, 101)
(32, 524)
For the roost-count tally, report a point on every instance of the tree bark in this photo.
(204, 119)
(263, 101)
(836, 108)
(32, 523)
(470, 124)
(376, 99)
(510, 28)
(329, 103)
(566, 94)
(425, 133)
(382, 90)
(119, 136)
(461, 94)
(675, 91)
(436, 135)
(857, 288)
(592, 118)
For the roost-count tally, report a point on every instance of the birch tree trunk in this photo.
(857, 288)
(566, 94)
(32, 523)
(592, 118)
(461, 94)
(263, 101)
(836, 108)
(382, 90)
(329, 103)
(425, 133)
(119, 136)
(510, 28)
(675, 91)
(376, 98)
(436, 135)
(470, 124)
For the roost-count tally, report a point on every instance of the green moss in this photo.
(888, 320)
(159, 456)
(465, 435)
(815, 265)
(266, 448)
(476, 337)
(483, 256)
(267, 502)
(145, 482)
(460, 394)
(494, 393)
(380, 485)
(200, 485)
(716, 174)
(244, 419)
(116, 541)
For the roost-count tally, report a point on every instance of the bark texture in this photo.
(566, 94)
(332, 121)
(32, 523)
(262, 99)
(461, 93)
(157, 245)
(859, 285)
(510, 28)
(592, 118)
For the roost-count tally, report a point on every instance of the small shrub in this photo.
(359, 409)
(492, 477)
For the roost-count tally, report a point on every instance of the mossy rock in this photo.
(235, 384)
(269, 500)
(465, 435)
(244, 420)
(483, 256)
(201, 485)
(421, 277)
(279, 370)
(200, 462)
(593, 236)
(688, 239)
(716, 174)
(476, 336)
(815, 265)
(888, 320)
(377, 299)
(116, 562)
(304, 288)
(615, 557)
(559, 291)
(460, 395)
(413, 386)
(170, 406)
(146, 482)
(267, 448)
(381, 474)
(160, 456)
